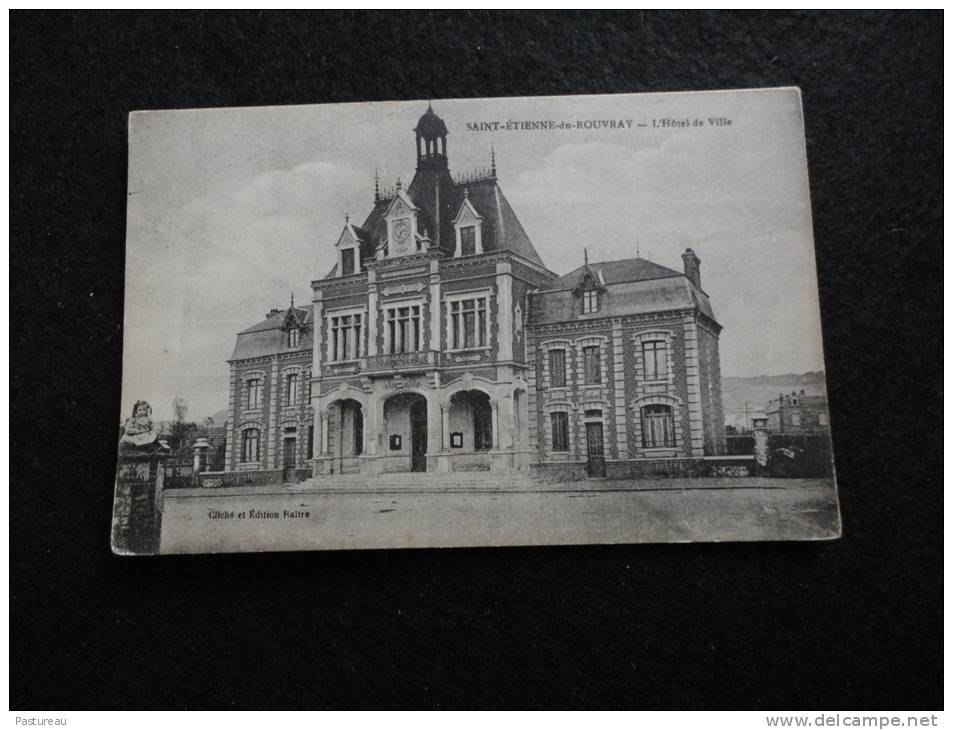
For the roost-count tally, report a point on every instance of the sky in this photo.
(230, 211)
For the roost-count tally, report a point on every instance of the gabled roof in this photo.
(615, 272)
(276, 319)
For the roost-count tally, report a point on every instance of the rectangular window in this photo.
(293, 337)
(591, 360)
(346, 337)
(590, 302)
(795, 419)
(250, 441)
(822, 419)
(403, 331)
(291, 389)
(347, 261)
(253, 394)
(311, 442)
(655, 356)
(468, 323)
(560, 421)
(557, 368)
(468, 241)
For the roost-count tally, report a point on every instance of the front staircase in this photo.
(481, 481)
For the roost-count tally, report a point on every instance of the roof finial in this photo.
(292, 300)
(347, 215)
(466, 193)
(429, 106)
(637, 254)
(492, 160)
(399, 185)
(377, 186)
(585, 253)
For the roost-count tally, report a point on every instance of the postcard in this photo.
(471, 323)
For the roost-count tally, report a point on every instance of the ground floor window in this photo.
(251, 438)
(658, 427)
(560, 421)
(311, 442)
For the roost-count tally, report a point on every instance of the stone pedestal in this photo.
(137, 510)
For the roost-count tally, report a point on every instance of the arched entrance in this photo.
(471, 421)
(348, 434)
(405, 432)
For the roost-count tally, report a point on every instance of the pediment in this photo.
(467, 214)
(348, 237)
(401, 205)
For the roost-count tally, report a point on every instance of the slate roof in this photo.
(615, 272)
(267, 337)
(634, 286)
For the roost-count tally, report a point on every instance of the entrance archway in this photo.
(471, 421)
(347, 432)
(405, 431)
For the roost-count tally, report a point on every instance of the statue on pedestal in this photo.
(139, 433)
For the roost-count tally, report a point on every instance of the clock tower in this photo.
(402, 219)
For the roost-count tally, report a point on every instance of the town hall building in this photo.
(441, 342)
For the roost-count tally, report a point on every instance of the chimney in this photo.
(692, 267)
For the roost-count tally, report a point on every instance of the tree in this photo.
(180, 429)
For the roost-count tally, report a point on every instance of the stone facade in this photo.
(441, 342)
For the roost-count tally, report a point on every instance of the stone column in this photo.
(435, 306)
(495, 412)
(324, 433)
(504, 304)
(371, 427)
(371, 313)
(445, 425)
(693, 382)
(317, 323)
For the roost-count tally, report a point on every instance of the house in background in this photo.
(798, 413)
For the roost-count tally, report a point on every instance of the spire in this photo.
(377, 187)
(492, 160)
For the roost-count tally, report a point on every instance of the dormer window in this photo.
(293, 337)
(347, 261)
(590, 301)
(468, 241)
(468, 226)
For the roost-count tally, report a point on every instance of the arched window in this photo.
(658, 427)
(251, 439)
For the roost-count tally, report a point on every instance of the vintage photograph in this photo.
(472, 322)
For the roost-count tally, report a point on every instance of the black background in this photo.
(849, 624)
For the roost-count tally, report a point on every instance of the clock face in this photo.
(402, 229)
